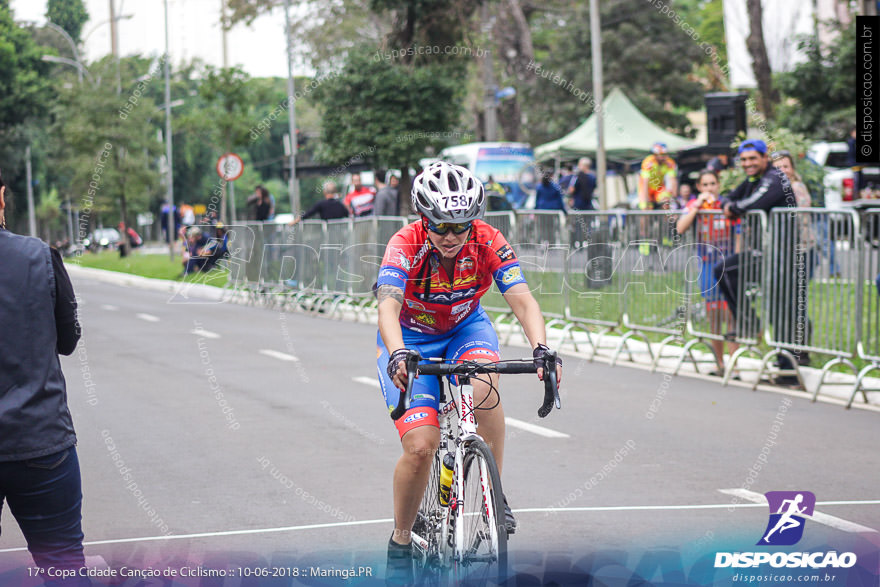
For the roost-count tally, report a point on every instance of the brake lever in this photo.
(551, 387)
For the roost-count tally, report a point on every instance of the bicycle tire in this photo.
(480, 536)
(427, 570)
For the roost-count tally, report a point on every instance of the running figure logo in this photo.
(787, 512)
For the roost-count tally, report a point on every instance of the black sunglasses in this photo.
(444, 227)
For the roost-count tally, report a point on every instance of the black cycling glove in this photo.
(538, 353)
(394, 362)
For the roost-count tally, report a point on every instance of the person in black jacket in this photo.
(330, 208)
(39, 470)
(765, 188)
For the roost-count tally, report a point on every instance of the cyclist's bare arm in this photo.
(390, 299)
(643, 190)
(527, 311)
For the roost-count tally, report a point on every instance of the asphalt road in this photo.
(234, 451)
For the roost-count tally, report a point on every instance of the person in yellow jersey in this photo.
(658, 179)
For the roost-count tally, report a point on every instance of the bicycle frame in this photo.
(466, 432)
(468, 444)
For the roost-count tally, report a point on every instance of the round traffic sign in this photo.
(230, 166)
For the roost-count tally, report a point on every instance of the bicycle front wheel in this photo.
(480, 536)
(429, 571)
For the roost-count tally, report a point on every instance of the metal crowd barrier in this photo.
(803, 281)
(540, 240)
(655, 299)
(743, 275)
(593, 284)
(812, 309)
(867, 290)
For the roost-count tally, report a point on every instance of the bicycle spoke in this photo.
(482, 541)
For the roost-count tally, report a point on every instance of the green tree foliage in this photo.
(70, 15)
(383, 110)
(820, 93)
(109, 164)
(23, 76)
(24, 101)
(645, 54)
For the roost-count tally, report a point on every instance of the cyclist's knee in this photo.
(421, 443)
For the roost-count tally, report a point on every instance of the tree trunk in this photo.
(769, 97)
(512, 43)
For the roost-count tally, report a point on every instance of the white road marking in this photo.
(534, 428)
(278, 355)
(225, 533)
(716, 506)
(109, 307)
(204, 333)
(832, 521)
(148, 317)
(371, 381)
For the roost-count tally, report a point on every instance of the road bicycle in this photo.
(465, 541)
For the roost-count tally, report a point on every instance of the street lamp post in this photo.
(81, 69)
(599, 98)
(73, 48)
(168, 146)
(292, 185)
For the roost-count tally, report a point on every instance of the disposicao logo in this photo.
(788, 513)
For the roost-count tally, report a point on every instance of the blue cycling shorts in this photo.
(473, 339)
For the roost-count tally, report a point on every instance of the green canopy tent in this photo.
(629, 135)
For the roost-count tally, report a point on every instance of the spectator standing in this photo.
(566, 178)
(387, 198)
(765, 188)
(133, 237)
(685, 195)
(583, 186)
(163, 211)
(807, 240)
(39, 470)
(851, 157)
(259, 205)
(361, 198)
(658, 178)
(187, 215)
(330, 208)
(716, 238)
(548, 195)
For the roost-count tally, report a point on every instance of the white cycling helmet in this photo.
(444, 192)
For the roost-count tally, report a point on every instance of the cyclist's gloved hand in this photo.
(538, 354)
(394, 361)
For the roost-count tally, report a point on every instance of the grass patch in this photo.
(154, 266)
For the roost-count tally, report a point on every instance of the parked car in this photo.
(839, 180)
(102, 238)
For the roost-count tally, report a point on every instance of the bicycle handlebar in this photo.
(469, 368)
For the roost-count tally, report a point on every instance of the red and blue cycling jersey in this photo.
(434, 301)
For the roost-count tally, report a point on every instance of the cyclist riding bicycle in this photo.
(432, 276)
(657, 180)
